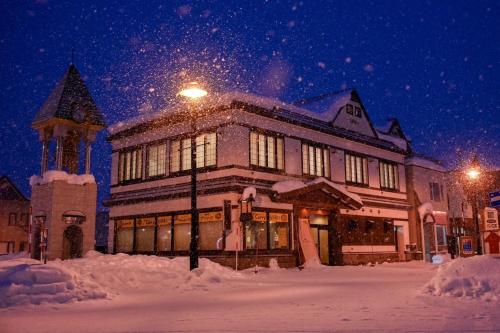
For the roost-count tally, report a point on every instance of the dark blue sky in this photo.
(434, 65)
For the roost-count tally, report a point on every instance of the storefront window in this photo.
(211, 231)
(164, 233)
(278, 229)
(145, 234)
(441, 234)
(182, 232)
(256, 234)
(125, 235)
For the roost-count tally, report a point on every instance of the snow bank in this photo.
(97, 276)
(52, 175)
(33, 283)
(476, 277)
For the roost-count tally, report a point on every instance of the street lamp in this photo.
(473, 174)
(193, 92)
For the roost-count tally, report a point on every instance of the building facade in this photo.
(14, 217)
(322, 174)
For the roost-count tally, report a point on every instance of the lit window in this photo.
(156, 160)
(266, 151)
(206, 152)
(130, 165)
(315, 161)
(356, 169)
(389, 176)
(436, 192)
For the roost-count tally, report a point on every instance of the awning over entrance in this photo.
(319, 192)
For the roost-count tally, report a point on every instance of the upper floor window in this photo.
(436, 192)
(12, 219)
(315, 160)
(156, 160)
(130, 165)
(353, 110)
(356, 169)
(206, 152)
(389, 177)
(266, 151)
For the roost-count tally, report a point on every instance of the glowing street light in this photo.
(473, 174)
(193, 92)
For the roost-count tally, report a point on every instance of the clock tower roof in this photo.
(70, 101)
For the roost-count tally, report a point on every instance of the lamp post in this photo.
(473, 174)
(193, 92)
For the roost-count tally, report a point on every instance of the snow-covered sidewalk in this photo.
(150, 294)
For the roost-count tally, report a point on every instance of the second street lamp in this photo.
(193, 92)
(473, 174)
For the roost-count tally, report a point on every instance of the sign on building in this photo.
(466, 247)
(490, 219)
(494, 199)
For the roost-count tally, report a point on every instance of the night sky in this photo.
(433, 65)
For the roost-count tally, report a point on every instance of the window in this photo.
(436, 192)
(12, 219)
(156, 160)
(211, 231)
(389, 176)
(266, 151)
(164, 233)
(130, 165)
(124, 235)
(182, 232)
(441, 235)
(206, 152)
(315, 161)
(356, 169)
(267, 231)
(145, 234)
(349, 109)
(24, 219)
(357, 112)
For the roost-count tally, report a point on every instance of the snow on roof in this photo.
(324, 110)
(249, 191)
(424, 163)
(401, 143)
(292, 185)
(52, 175)
(326, 107)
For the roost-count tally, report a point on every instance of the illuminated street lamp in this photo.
(473, 175)
(193, 93)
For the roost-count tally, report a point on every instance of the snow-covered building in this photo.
(327, 184)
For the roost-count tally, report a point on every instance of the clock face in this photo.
(79, 113)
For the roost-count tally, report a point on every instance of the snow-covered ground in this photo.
(149, 294)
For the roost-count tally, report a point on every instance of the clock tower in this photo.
(64, 195)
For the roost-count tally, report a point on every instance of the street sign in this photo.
(494, 199)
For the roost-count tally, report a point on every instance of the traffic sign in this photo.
(494, 199)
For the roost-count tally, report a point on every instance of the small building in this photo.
(14, 217)
(428, 197)
(325, 182)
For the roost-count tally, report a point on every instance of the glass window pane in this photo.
(152, 162)
(305, 159)
(312, 158)
(211, 149)
(270, 153)
(326, 159)
(359, 178)
(253, 148)
(256, 235)
(211, 235)
(278, 235)
(121, 168)
(144, 239)
(262, 150)
(127, 165)
(319, 162)
(175, 156)
(348, 168)
(186, 154)
(200, 151)
(133, 165)
(182, 233)
(365, 170)
(164, 238)
(280, 153)
(138, 172)
(124, 240)
(162, 157)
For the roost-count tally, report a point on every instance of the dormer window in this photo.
(353, 110)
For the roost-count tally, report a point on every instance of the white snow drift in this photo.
(26, 281)
(474, 278)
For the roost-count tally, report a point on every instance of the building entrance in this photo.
(72, 243)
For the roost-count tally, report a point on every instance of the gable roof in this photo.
(9, 191)
(328, 105)
(60, 104)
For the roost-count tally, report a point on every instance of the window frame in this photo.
(363, 158)
(181, 158)
(394, 166)
(268, 248)
(123, 169)
(325, 162)
(147, 159)
(277, 137)
(435, 188)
